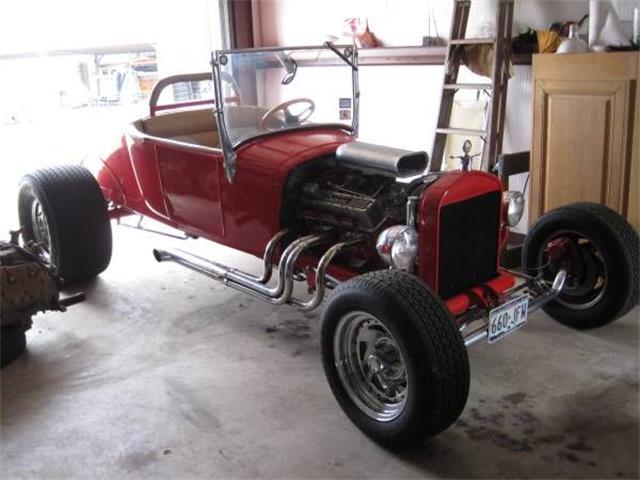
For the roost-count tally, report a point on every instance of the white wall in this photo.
(399, 104)
(395, 22)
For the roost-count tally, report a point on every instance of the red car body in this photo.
(412, 254)
(187, 189)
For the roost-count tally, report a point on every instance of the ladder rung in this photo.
(461, 131)
(467, 86)
(472, 41)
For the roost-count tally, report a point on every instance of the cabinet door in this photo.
(581, 146)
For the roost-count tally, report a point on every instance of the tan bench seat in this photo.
(192, 126)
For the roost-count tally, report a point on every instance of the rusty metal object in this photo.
(28, 285)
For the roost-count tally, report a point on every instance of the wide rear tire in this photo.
(13, 342)
(63, 209)
(394, 358)
(603, 263)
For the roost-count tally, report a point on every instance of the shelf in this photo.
(402, 56)
(415, 56)
(389, 56)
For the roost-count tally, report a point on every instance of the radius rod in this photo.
(257, 286)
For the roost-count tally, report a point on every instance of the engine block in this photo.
(27, 286)
(350, 199)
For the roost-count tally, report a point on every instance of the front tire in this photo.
(62, 208)
(599, 250)
(394, 358)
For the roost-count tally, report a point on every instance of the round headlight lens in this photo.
(514, 202)
(398, 247)
(405, 250)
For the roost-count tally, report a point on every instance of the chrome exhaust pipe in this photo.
(321, 276)
(267, 260)
(281, 292)
(277, 295)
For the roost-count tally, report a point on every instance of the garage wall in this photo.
(399, 104)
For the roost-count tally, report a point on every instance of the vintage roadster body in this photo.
(272, 166)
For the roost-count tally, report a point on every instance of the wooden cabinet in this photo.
(586, 126)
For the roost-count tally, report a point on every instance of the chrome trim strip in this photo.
(135, 132)
(279, 49)
(355, 82)
(225, 141)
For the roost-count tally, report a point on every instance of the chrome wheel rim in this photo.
(585, 286)
(371, 366)
(40, 227)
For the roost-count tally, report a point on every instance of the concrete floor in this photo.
(163, 373)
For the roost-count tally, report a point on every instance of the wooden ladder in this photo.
(494, 126)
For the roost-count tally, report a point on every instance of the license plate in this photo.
(508, 318)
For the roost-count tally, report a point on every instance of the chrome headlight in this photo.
(514, 203)
(398, 247)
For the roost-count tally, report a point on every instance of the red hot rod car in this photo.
(271, 166)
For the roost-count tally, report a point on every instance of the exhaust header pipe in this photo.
(256, 286)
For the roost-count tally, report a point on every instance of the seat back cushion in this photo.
(181, 123)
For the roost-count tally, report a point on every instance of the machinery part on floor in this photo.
(282, 291)
(28, 285)
(394, 358)
(62, 209)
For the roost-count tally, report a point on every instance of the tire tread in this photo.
(77, 215)
(431, 321)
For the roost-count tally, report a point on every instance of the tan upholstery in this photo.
(199, 127)
(209, 139)
(191, 126)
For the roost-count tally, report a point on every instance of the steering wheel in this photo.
(289, 118)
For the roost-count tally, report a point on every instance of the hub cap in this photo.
(371, 366)
(40, 227)
(587, 270)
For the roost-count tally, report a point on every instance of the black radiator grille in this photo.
(468, 243)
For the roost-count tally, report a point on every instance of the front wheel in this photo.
(599, 250)
(63, 210)
(394, 358)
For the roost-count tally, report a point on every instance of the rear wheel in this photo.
(13, 342)
(62, 209)
(394, 358)
(599, 250)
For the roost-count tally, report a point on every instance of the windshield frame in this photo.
(347, 54)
